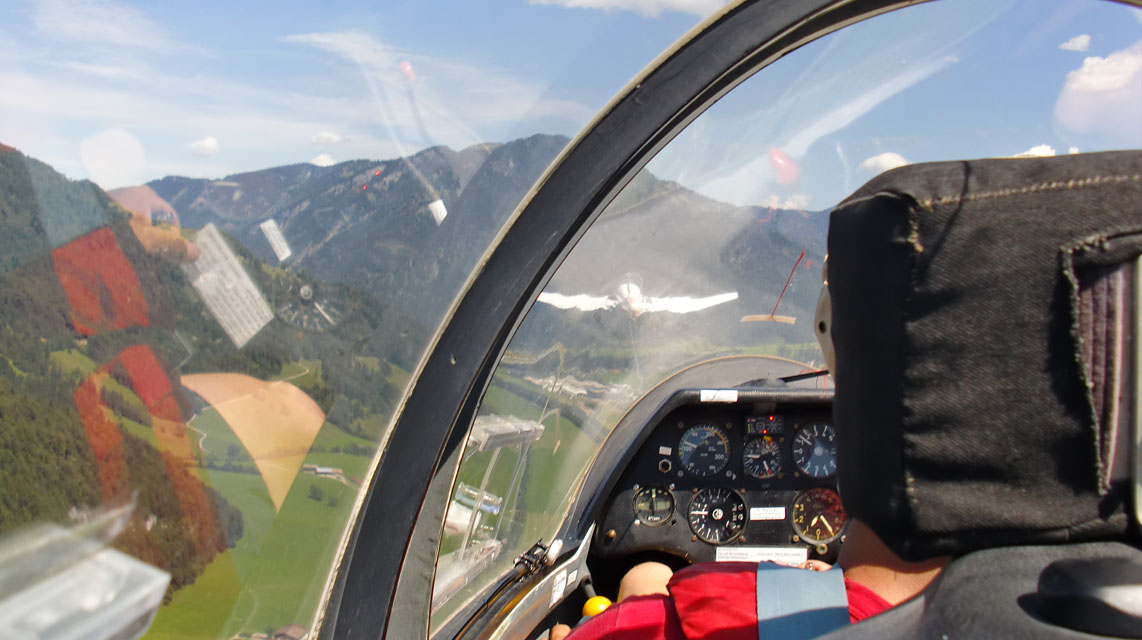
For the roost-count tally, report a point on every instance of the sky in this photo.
(122, 92)
(935, 82)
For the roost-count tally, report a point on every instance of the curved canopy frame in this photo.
(383, 587)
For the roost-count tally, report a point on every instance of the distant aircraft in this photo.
(629, 296)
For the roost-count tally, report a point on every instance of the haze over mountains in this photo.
(368, 223)
(362, 235)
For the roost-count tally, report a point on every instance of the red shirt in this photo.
(710, 601)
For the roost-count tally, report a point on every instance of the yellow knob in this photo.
(595, 605)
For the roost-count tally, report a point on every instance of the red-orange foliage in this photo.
(94, 271)
(105, 439)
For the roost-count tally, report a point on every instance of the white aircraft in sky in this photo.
(629, 296)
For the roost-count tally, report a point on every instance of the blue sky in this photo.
(940, 81)
(123, 93)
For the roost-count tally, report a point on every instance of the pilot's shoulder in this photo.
(732, 585)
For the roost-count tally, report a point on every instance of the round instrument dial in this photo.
(815, 450)
(717, 515)
(761, 458)
(818, 516)
(704, 450)
(653, 506)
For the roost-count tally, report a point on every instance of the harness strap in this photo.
(796, 604)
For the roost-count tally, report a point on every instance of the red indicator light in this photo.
(364, 186)
(377, 172)
(771, 418)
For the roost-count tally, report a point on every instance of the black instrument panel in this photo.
(716, 480)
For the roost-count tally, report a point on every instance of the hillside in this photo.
(117, 376)
(367, 222)
(96, 332)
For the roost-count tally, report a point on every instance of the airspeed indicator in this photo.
(704, 450)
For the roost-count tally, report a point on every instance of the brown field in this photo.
(275, 421)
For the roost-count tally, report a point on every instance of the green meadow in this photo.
(276, 572)
(73, 363)
(218, 435)
(288, 571)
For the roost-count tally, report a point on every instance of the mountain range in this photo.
(368, 223)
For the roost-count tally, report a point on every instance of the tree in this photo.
(315, 493)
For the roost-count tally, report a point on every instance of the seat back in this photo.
(985, 319)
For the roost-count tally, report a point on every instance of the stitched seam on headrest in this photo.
(911, 501)
(1054, 185)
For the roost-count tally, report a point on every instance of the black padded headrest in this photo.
(970, 401)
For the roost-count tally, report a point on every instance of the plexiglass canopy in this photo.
(715, 249)
(229, 236)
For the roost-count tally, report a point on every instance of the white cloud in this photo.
(796, 202)
(113, 158)
(846, 112)
(323, 160)
(52, 93)
(648, 8)
(359, 47)
(100, 22)
(261, 127)
(1103, 96)
(1077, 43)
(883, 162)
(487, 96)
(105, 71)
(1073, 150)
(1112, 73)
(207, 146)
(1037, 151)
(327, 137)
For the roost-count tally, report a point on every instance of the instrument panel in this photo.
(730, 481)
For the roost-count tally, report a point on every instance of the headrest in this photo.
(982, 316)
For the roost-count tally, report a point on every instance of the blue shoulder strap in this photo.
(796, 604)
